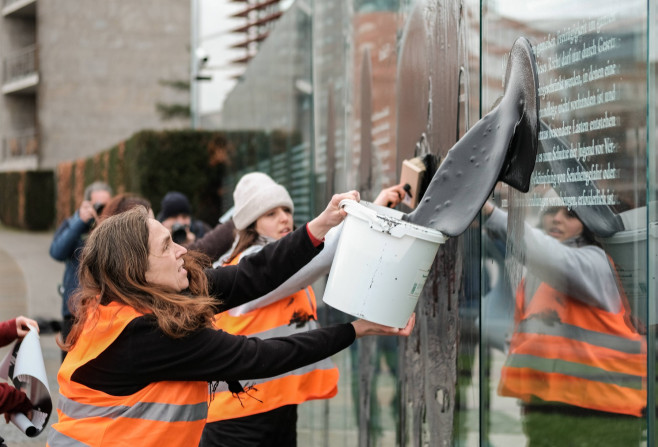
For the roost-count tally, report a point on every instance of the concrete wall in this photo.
(100, 63)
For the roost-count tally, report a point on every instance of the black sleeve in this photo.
(215, 242)
(261, 272)
(143, 354)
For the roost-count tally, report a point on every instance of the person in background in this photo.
(263, 213)
(124, 202)
(176, 215)
(69, 240)
(215, 242)
(143, 348)
(576, 359)
(13, 400)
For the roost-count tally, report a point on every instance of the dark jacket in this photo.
(215, 242)
(11, 399)
(67, 247)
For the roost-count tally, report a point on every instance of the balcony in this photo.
(19, 8)
(20, 75)
(20, 150)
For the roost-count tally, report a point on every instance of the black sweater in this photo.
(143, 354)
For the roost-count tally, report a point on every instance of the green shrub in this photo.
(27, 199)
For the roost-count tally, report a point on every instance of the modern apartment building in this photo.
(80, 76)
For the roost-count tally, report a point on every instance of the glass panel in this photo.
(355, 65)
(652, 207)
(373, 110)
(564, 326)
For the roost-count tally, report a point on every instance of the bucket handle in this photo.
(373, 219)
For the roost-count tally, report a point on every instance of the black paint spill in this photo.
(300, 318)
(501, 146)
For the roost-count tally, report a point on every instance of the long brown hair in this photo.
(123, 202)
(246, 238)
(113, 269)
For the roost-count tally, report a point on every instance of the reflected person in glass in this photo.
(576, 360)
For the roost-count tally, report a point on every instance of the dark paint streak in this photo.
(412, 86)
(365, 163)
(428, 98)
(300, 318)
(331, 144)
(501, 146)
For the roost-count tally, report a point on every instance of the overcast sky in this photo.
(215, 39)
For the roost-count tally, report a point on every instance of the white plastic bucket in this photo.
(381, 264)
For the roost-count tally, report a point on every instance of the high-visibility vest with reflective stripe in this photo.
(563, 350)
(287, 316)
(160, 414)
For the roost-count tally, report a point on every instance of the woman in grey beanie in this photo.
(267, 414)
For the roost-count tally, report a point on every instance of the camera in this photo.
(99, 208)
(179, 233)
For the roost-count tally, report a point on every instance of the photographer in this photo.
(176, 216)
(70, 238)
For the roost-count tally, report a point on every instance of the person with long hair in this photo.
(142, 349)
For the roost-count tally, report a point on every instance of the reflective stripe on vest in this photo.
(57, 439)
(285, 317)
(161, 413)
(559, 354)
(150, 411)
(574, 369)
(621, 344)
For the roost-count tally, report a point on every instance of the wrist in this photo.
(317, 230)
(314, 240)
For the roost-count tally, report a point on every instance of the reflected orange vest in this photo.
(160, 414)
(294, 314)
(563, 350)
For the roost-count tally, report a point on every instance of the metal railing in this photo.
(20, 64)
(20, 144)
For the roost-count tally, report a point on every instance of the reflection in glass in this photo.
(576, 358)
(574, 362)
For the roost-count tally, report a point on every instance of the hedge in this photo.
(151, 163)
(204, 165)
(27, 199)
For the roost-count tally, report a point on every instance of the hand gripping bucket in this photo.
(381, 264)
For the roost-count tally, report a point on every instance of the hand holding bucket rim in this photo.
(332, 215)
(364, 328)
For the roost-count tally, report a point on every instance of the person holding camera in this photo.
(176, 216)
(69, 240)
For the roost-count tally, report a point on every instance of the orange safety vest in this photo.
(160, 414)
(294, 314)
(563, 350)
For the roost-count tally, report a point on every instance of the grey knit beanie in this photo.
(254, 195)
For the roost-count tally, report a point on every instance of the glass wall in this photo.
(567, 358)
(537, 324)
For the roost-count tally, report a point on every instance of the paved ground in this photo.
(28, 281)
